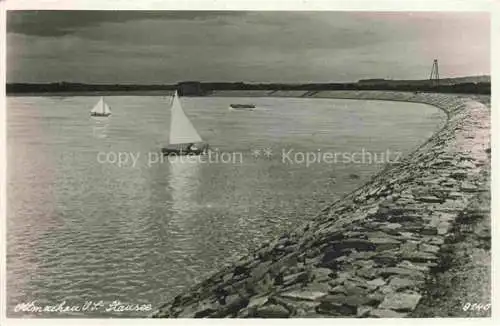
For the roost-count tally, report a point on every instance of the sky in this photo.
(161, 47)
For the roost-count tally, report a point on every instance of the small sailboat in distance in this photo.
(101, 109)
(184, 139)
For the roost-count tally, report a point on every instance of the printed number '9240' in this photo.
(476, 307)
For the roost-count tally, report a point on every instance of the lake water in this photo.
(81, 227)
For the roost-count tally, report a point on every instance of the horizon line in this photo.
(244, 82)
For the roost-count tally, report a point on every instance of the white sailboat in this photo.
(101, 109)
(184, 139)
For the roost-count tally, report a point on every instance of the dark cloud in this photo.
(166, 47)
(63, 22)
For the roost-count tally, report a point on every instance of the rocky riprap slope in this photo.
(371, 253)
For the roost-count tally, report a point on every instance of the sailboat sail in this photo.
(182, 130)
(101, 108)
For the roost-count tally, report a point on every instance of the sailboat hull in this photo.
(94, 114)
(182, 149)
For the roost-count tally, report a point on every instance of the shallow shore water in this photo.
(371, 253)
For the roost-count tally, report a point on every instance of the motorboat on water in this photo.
(241, 107)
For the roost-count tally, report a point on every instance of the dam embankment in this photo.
(372, 253)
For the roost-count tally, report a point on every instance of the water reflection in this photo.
(184, 182)
(100, 127)
(183, 185)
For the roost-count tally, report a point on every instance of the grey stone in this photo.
(226, 278)
(387, 258)
(404, 272)
(332, 256)
(312, 253)
(260, 270)
(244, 313)
(391, 226)
(286, 261)
(295, 278)
(400, 301)
(304, 295)
(430, 199)
(353, 235)
(434, 221)
(291, 287)
(356, 287)
(429, 248)
(409, 246)
(322, 274)
(262, 285)
(272, 311)
(312, 261)
(317, 287)
(466, 165)
(339, 299)
(234, 303)
(257, 301)
(386, 313)
(382, 244)
(405, 218)
(363, 311)
(292, 305)
(439, 240)
(338, 289)
(291, 248)
(344, 258)
(455, 195)
(364, 263)
(385, 289)
(205, 311)
(188, 312)
(450, 183)
(312, 315)
(447, 217)
(399, 283)
(430, 230)
(409, 235)
(358, 244)
(368, 272)
(468, 187)
(376, 282)
(451, 206)
(340, 279)
(336, 309)
(443, 228)
(363, 255)
(413, 266)
(354, 300)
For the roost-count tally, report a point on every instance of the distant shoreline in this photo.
(470, 85)
(91, 93)
(469, 88)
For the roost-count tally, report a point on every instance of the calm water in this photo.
(80, 228)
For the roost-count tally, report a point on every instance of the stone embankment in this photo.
(371, 253)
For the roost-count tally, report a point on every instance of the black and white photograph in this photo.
(247, 163)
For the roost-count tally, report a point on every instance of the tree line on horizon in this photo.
(205, 88)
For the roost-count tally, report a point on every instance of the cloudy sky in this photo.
(168, 46)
